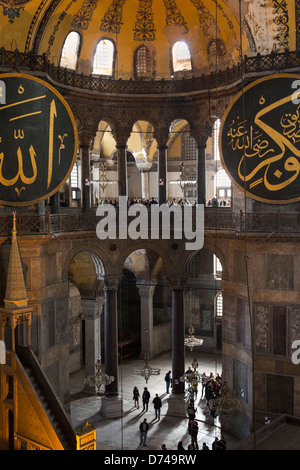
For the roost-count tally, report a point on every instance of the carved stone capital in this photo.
(111, 283)
(177, 282)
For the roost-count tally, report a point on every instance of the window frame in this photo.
(113, 59)
(78, 50)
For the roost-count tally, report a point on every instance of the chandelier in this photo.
(183, 180)
(100, 379)
(192, 377)
(191, 341)
(146, 371)
(103, 180)
(225, 403)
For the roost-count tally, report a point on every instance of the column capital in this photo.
(111, 282)
(177, 282)
(121, 136)
(85, 137)
(145, 288)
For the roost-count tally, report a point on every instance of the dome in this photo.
(202, 35)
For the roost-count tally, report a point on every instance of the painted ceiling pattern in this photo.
(145, 19)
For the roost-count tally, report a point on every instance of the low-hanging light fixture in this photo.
(103, 180)
(146, 371)
(191, 341)
(100, 379)
(192, 377)
(225, 403)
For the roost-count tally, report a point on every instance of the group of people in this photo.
(214, 202)
(211, 387)
(142, 201)
(157, 403)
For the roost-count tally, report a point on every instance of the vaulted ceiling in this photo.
(256, 26)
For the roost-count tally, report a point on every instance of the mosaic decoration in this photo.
(173, 14)
(112, 19)
(206, 18)
(144, 27)
(280, 9)
(84, 15)
(11, 12)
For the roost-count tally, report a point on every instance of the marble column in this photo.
(162, 174)
(85, 177)
(176, 402)
(54, 203)
(201, 175)
(146, 292)
(92, 309)
(122, 170)
(145, 184)
(111, 405)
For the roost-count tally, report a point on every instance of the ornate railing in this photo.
(220, 219)
(20, 61)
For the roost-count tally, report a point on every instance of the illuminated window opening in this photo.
(70, 50)
(219, 305)
(181, 57)
(103, 58)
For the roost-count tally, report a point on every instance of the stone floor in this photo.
(123, 433)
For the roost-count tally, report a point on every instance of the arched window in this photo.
(70, 50)
(181, 57)
(219, 305)
(216, 134)
(142, 62)
(103, 58)
(222, 185)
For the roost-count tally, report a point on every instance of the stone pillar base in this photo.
(177, 405)
(111, 407)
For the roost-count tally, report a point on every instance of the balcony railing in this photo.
(250, 65)
(220, 219)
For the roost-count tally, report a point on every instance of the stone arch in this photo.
(96, 255)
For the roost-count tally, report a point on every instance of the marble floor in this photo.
(123, 433)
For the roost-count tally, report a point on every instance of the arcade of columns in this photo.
(121, 116)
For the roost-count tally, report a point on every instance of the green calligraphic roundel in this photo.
(38, 140)
(260, 139)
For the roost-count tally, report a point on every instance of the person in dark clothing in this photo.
(157, 406)
(180, 446)
(194, 434)
(168, 380)
(222, 444)
(144, 428)
(145, 399)
(215, 444)
(136, 395)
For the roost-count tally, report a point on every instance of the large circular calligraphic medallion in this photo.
(38, 140)
(260, 139)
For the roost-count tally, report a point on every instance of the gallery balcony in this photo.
(215, 220)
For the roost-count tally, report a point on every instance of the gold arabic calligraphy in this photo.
(253, 143)
(19, 134)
